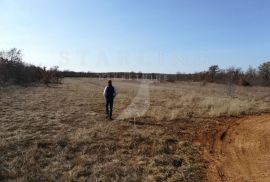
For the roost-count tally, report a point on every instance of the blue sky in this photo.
(138, 35)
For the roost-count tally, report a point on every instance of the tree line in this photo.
(14, 71)
(251, 77)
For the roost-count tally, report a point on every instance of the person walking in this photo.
(109, 94)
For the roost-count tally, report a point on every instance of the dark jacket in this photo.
(109, 92)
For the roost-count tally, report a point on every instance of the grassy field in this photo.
(60, 133)
(178, 100)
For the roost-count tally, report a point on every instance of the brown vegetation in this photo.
(60, 133)
(14, 71)
(185, 99)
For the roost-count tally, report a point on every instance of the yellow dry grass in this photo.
(60, 133)
(180, 100)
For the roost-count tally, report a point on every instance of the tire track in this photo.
(244, 153)
(139, 105)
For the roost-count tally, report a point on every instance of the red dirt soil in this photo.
(240, 151)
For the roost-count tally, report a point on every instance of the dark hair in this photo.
(110, 82)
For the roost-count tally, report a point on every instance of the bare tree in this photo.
(140, 75)
(231, 75)
(14, 71)
(14, 55)
(212, 72)
(251, 75)
(264, 70)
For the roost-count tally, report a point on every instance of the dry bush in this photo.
(14, 71)
(52, 76)
(264, 71)
(244, 82)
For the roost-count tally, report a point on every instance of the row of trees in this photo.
(14, 71)
(252, 76)
(119, 75)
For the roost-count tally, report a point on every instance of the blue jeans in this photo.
(109, 107)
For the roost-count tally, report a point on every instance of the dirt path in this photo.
(243, 152)
(140, 103)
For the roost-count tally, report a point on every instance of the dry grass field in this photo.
(185, 99)
(59, 133)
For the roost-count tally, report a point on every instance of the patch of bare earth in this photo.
(241, 152)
